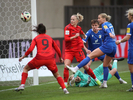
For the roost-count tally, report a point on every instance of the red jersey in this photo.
(45, 45)
(75, 44)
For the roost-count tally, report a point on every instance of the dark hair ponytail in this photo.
(41, 29)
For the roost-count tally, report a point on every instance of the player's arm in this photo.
(86, 50)
(29, 50)
(126, 38)
(106, 29)
(57, 49)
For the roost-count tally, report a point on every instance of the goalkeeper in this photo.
(82, 80)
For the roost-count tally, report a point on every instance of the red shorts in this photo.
(79, 55)
(50, 64)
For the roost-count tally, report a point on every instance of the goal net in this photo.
(15, 39)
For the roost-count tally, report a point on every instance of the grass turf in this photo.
(49, 89)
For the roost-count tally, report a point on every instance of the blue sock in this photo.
(105, 73)
(132, 77)
(83, 62)
(117, 75)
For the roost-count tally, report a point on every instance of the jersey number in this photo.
(45, 43)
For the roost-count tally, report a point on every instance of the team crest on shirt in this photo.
(128, 30)
(100, 36)
(67, 32)
(105, 26)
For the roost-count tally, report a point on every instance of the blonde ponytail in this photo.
(104, 15)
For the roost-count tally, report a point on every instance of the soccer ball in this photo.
(25, 16)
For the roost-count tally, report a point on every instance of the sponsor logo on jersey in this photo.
(66, 32)
(128, 30)
(105, 26)
(100, 36)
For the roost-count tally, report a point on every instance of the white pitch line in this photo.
(28, 86)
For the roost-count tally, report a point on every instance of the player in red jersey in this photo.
(45, 56)
(74, 45)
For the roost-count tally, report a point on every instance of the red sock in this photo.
(66, 74)
(91, 73)
(24, 77)
(61, 82)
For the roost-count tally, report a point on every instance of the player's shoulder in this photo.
(68, 26)
(130, 24)
(89, 31)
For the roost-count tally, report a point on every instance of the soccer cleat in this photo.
(71, 69)
(66, 92)
(98, 82)
(19, 88)
(122, 82)
(130, 90)
(103, 86)
(119, 59)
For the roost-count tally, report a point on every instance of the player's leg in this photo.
(96, 53)
(91, 73)
(130, 66)
(66, 71)
(59, 79)
(117, 74)
(106, 63)
(89, 64)
(23, 78)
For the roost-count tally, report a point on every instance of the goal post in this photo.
(34, 23)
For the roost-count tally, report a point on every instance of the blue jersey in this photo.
(130, 32)
(109, 46)
(107, 28)
(94, 39)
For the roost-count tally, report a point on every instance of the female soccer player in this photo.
(45, 56)
(74, 45)
(129, 38)
(108, 47)
(94, 38)
(82, 80)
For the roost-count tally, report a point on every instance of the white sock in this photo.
(115, 60)
(65, 83)
(22, 84)
(104, 82)
(64, 89)
(76, 68)
(120, 79)
(95, 79)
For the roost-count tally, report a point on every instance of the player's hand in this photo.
(117, 42)
(77, 34)
(61, 60)
(98, 29)
(20, 59)
(88, 51)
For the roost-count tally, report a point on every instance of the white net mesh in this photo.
(15, 38)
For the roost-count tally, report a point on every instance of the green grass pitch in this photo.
(49, 89)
